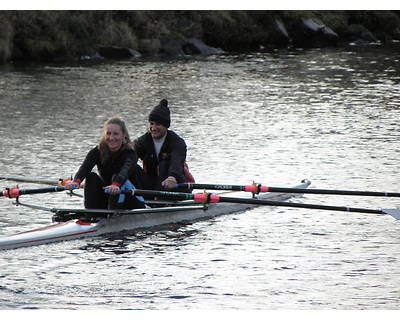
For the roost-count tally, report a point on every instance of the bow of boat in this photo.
(55, 232)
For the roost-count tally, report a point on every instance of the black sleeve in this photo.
(92, 158)
(140, 147)
(177, 152)
(128, 167)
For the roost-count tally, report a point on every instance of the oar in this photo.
(60, 182)
(258, 188)
(16, 192)
(210, 198)
(32, 180)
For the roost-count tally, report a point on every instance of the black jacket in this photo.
(173, 150)
(122, 164)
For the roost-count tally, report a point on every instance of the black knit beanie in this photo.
(161, 114)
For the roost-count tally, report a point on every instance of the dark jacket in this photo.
(122, 164)
(173, 150)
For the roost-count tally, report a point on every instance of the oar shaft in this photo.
(337, 192)
(210, 198)
(153, 193)
(31, 180)
(258, 189)
(16, 192)
(299, 205)
(191, 186)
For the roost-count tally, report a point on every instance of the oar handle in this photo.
(255, 188)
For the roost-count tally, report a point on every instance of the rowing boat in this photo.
(123, 220)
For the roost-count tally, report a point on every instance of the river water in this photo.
(328, 115)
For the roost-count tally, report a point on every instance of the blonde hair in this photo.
(102, 145)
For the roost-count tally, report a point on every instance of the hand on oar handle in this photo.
(169, 183)
(112, 189)
(71, 185)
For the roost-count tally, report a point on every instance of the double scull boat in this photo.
(122, 220)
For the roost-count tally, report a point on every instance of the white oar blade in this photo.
(395, 213)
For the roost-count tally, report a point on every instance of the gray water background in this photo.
(328, 115)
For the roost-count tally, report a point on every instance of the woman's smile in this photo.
(114, 137)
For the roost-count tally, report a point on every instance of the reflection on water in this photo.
(329, 115)
(175, 235)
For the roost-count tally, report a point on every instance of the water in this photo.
(329, 115)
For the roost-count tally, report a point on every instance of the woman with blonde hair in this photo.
(116, 161)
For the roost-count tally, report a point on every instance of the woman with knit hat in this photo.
(162, 152)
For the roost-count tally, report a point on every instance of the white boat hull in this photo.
(138, 219)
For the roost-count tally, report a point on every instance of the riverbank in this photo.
(75, 35)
